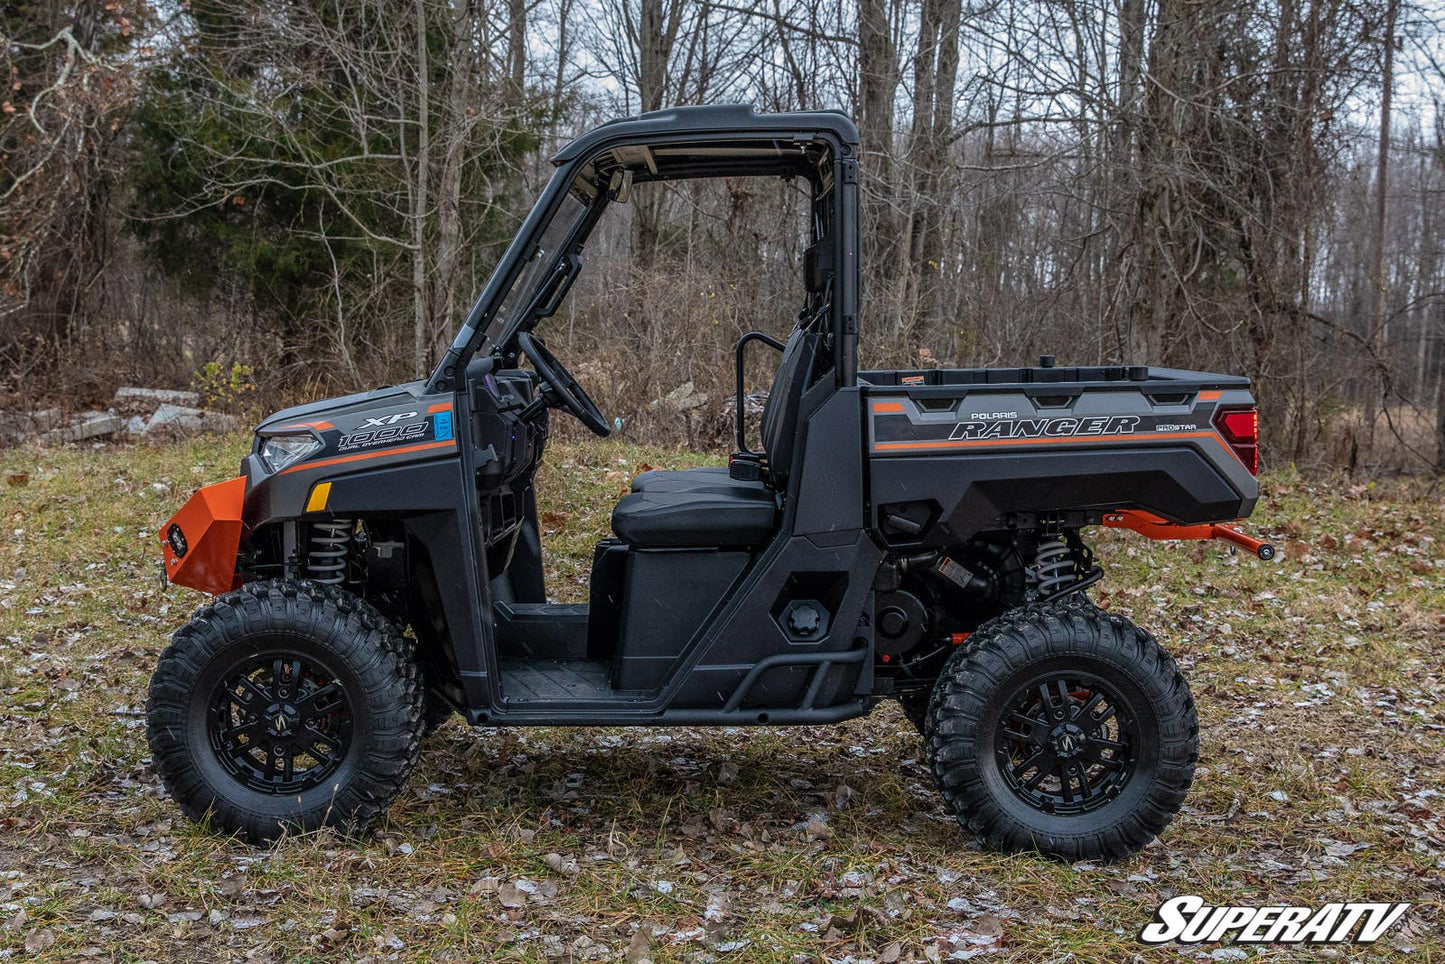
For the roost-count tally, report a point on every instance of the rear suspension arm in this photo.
(1153, 527)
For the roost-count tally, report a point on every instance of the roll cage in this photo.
(676, 144)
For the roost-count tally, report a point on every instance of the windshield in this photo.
(538, 269)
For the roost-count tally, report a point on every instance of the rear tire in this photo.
(1063, 729)
(285, 706)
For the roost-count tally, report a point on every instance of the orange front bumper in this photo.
(201, 540)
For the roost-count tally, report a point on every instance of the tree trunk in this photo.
(421, 335)
(935, 74)
(517, 45)
(657, 27)
(878, 76)
(463, 75)
(1375, 390)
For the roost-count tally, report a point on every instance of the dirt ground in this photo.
(1319, 680)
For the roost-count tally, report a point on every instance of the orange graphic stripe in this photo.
(886, 408)
(1068, 440)
(439, 407)
(319, 426)
(404, 450)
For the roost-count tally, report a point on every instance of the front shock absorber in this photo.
(330, 545)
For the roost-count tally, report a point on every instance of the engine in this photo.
(926, 603)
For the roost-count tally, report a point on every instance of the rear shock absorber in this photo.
(1053, 565)
(1062, 565)
(330, 545)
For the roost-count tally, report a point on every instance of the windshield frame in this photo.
(468, 340)
(523, 290)
(572, 168)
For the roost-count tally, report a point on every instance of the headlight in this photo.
(280, 451)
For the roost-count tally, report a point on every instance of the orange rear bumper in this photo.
(201, 540)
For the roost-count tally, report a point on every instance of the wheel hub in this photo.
(1068, 741)
(280, 724)
(282, 718)
(1065, 743)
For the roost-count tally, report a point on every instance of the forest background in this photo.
(273, 200)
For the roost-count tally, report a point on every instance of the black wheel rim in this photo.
(280, 723)
(1066, 743)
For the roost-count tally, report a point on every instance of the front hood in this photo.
(377, 397)
(368, 434)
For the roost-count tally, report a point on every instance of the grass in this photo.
(1318, 680)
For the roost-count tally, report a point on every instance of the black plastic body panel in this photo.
(957, 452)
(387, 452)
(670, 594)
(607, 585)
(541, 631)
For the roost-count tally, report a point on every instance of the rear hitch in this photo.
(1153, 527)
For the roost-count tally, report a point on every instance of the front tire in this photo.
(285, 706)
(1063, 729)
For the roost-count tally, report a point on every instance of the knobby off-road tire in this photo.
(343, 706)
(1086, 699)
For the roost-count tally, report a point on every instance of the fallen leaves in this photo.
(1318, 680)
(38, 942)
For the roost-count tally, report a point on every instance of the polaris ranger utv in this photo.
(913, 535)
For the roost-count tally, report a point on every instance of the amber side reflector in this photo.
(319, 495)
(1240, 428)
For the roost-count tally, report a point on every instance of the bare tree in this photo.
(70, 81)
(1378, 334)
(352, 108)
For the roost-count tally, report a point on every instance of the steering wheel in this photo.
(557, 380)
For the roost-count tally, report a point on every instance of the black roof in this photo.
(717, 118)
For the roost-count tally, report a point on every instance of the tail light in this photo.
(1240, 428)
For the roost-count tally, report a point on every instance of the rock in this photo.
(88, 426)
(135, 425)
(562, 865)
(753, 404)
(683, 398)
(17, 428)
(180, 420)
(165, 396)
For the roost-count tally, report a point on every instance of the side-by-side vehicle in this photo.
(913, 535)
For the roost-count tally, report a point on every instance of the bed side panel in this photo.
(981, 456)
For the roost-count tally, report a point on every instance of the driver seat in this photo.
(706, 507)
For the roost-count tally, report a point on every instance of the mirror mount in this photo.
(619, 188)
